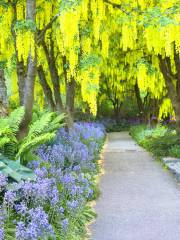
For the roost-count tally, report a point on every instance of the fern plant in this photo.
(9, 127)
(42, 130)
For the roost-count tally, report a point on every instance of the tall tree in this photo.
(3, 94)
(28, 98)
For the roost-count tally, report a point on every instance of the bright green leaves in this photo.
(88, 61)
(14, 170)
(25, 25)
(157, 17)
(69, 4)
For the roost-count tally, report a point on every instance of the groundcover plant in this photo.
(54, 205)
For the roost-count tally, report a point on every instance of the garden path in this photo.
(139, 199)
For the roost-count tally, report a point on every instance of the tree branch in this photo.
(48, 26)
(116, 5)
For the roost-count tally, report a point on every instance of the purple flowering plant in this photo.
(55, 204)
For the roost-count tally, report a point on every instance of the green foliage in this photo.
(15, 119)
(155, 16)
(175, 151)
(14, 170)
(8, 129)
(69, 4)
(3, 3)
(118, 127)
(25, 25)
(150, 68)
(77, 227)
(161, 141)
(42, 130)
(88, 61)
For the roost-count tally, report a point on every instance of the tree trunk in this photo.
(3, 95)
(30, 76)
(177, 107)
(70, 96)
(173, 89)
(21, 80)
(117, 115)
(117, 108)
(20, 67)
(54, 75)
(46, 88)
(177, 112)
(139, 102)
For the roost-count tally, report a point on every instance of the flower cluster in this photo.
(65, 170)
(36, 225)
(3, 182)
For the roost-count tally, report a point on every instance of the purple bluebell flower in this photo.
(9, 198)
(37, 226)
(2, 219)
(61, 210)
(1, 233)
(63, 185)
(41, 172)
(20, 230)
(73, 204)
(3, 182)
(65, 224)
(21, 208)
(55, 196)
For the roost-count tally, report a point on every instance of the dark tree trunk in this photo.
(139, 102)
(21, 74)
(54, 75)
(20, 67)
(117, 109)
(70, 96)
(177, 105)
(117, 115)
(46, 88)
(143, 106)
(3, 95)
(30, 76)
(70, 86)
(173, 89)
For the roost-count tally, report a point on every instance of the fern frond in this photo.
(3, 141)
(10, 148)
(29, 145)
(39, 126)
(15, 119)
(56, 123)
(4, 126)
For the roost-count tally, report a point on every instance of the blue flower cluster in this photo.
(51, 206)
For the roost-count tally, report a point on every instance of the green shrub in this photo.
(161, 141)
(41, 131)
(118, 127)
(175, 151)
(14, 170)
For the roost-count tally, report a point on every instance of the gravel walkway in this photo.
(139, 199)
